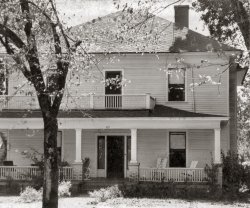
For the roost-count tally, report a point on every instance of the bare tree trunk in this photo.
(50, 183)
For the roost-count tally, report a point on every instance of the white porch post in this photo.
(78, 157)
(133, 172)
(133, 146)
(217, 146)
(217, 157)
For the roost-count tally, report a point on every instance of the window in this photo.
(101, 152)
(59, 146)
(176, 85)
(177, 150)
(3, 79)
(113, 82)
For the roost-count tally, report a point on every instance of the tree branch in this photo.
(6, 32)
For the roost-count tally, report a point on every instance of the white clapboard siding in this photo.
(146, 74)
(151, 145)
(200, 146)
(24, 140)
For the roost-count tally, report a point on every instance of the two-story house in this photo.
(177, 106)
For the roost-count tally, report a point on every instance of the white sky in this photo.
(79, 11)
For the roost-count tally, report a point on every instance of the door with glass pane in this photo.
(177, 149)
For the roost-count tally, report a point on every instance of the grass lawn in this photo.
(85, 202)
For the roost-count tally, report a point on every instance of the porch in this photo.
(26, 173)
(125, 144)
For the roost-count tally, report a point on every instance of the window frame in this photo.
(113, 70)
(186, 146)
(185, 85)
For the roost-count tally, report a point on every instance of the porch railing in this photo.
(139, 101)
(172, 174)
(29, 172)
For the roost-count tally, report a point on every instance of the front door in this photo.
(115, 156)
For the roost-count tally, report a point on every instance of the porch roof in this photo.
(159, 111)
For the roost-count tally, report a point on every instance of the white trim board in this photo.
(116, 123)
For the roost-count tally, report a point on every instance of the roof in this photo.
(108, 34)
(156, 35)
(159, 111)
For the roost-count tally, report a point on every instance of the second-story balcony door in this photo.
(113, 89)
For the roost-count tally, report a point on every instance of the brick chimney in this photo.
(181, 15)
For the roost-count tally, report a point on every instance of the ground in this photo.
(80, 202)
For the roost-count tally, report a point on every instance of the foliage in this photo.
(163, 190)
(212, 177)
(30, 194)
(12, 186)
(225, 18)
(86, 168)
(149, 190)
(235, 173)
(243, 118)
(64, 188)
(3, 147)
(104, 194)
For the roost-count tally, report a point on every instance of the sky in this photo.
(75, 12)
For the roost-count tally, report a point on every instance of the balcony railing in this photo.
(173, 174)
(142, 101)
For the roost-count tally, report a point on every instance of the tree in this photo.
(244, 119)
(32, 33)
(25, 27)
(227, 20)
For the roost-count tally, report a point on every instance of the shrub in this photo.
(212, 179)
(12, 186)
(149, 190)
(64, 188)
(30, 195)
(104, 194)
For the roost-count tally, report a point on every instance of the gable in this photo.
(155, 35)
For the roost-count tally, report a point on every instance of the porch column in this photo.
(133, 146)
(217, 156)
(78, 157)
(217, 147)
(133, 173)
(77, 165)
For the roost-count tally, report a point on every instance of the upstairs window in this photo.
(113, 82)
(176, 85)
(3, 79)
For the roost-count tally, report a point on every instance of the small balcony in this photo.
(97, 102)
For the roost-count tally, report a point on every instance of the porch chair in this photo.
(161, 164)
(189, 173)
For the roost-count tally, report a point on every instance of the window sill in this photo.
(175, 102)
